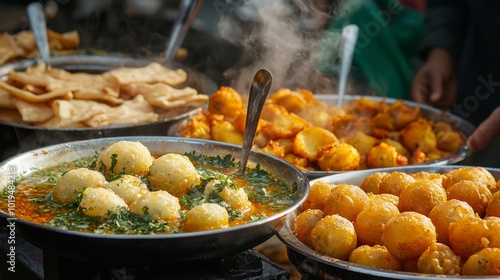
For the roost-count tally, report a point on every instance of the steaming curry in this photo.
(164, 194)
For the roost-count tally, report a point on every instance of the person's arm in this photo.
(486, 132)
(445, 29)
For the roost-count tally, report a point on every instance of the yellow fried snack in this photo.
(371, 183)
(484, 262)
(419, 134)
(468, 235)
(375, 256)
(439, 259)
(335, 236)
(370, 222)
(309, 141)
(225, 101)
(305, 222)
(475, 194)
(493, 206)
(338, 157)
(408, 235)
(347, 201)
(318, 195)
(385, 155)
(421, 196)
(395, 182)
(476, 174)
(444, 215)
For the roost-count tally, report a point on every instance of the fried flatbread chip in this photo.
(33, 112)
(6, 100)
(34, 98)
(151, 73)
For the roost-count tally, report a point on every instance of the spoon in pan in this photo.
(348, 44)
(37, 21)
(258, 92)
(188, 9)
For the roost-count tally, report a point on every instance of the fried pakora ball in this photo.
(347, 201)
(371, 182)
(305, 222)
(444, 215)
(206, 216)
(408, 235)
(439, 259)
(449, 141)
(224, 131)
(484, 262)
(384, 197)
(385, 155)
(225, 101)
(476, 195)
(493, 224)
(375, 256)
(128, 187)
(421, 196)
(370, 222)
(395, 182)
(339, 157)
(334, 236)
(424, 175)
(99, 202)
(318, 194)
(236, 198)
(468, 235)
(493, 206)
(419, 135)
(74, 181)
(173, 173)
(308, 142)
(476, 174)
(160, 205)
(131, 157)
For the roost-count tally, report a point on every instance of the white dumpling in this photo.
(236, 198)
(128, 187)
(173, 173)
(206, 216)
(99, 202)
(133, 157)
(160, 205)
(74, 181)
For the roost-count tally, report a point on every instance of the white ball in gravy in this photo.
(173, 173)
(160, 205)
(133, 157)
(128, 187)
(236, 198)
(74, 181)
(206, 216)
(99, 202)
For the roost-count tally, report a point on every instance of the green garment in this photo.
(386, 49)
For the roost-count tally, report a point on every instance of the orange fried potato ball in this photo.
(493, 206)
(370, 222)
(347, 201)
(225, 101)
(318, 194)
(305, 222)
(493, 231)
(424, 175)
(339, 157)
(384, 197)
(385, 155)
(447, 213)
(421, 197)
(475, 194)
(439, 259)
(371, 182)
(408, 235)
(334, 236)
(449, 141)
(375, 256)
(419, 135)
(484, 262)
(395, 182)
(476, 174)
(468, 236)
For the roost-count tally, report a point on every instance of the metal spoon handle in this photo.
(188, 9)
(259, 90)
(349, 38)
(37, 21)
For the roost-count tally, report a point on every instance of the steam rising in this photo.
(281, 41)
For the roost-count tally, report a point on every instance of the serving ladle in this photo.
(38, 26)
(259, 89)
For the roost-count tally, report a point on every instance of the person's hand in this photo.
(486, 132)
(435, 83)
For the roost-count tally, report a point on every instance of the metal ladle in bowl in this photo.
(258, 93)
(37, 22)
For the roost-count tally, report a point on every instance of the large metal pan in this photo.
(18, 137)
(149, 249)
(312, 264)
(464, 127)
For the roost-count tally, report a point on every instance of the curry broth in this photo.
(34, 203)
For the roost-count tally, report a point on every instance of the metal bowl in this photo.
(312, 264)
(460, 125)
(149, 249)
(18, 137)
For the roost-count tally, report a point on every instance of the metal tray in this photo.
(312, 264)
